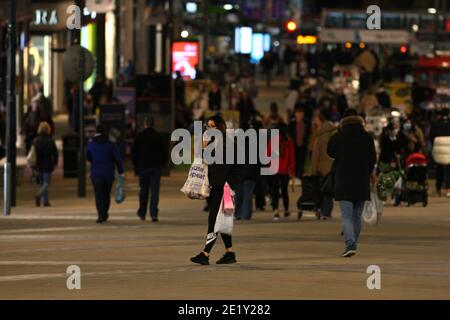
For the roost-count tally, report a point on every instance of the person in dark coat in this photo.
(246, 109)
(300, 130)
(150, 155)
(353, 151)
(218, 175)
(383, 98)
(214, 98)
(104, 156)
(46, 161)
(390, 145)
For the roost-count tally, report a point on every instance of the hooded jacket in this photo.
(353, 151)
(104, 156)
(149, 151)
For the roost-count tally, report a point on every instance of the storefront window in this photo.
(39, 65)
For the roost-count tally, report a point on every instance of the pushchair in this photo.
(309, 200)
(413, 188)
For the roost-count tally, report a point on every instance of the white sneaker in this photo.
(276, 215)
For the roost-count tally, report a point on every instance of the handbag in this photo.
(32, 157)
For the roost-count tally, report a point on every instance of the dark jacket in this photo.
(46, 153)
(103, 155)
(353, 151)
(149, 151)
(389, 148)
(440, 128)
(292, 130)
(218, 174)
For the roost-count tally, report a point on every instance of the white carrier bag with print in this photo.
(197, 183)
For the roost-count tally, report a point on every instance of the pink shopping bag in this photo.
(228, 204)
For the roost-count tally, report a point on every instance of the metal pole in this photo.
(7, 186)
(82, 157)
(10, 190)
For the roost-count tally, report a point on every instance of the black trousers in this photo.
(215, 198)
(442, 176)
(280, 181)
(300, 160)
(102, 191)
(149, 180)
(260, 192)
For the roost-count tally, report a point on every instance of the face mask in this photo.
(407, 126)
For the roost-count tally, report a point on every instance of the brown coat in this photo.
(321, 162)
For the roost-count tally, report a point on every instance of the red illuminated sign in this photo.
(185, 57)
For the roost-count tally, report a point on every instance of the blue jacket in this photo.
(103, 156)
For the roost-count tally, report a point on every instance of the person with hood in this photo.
(149, 154)
(321, 163)
(104, 156)
(218, 175)
(353, 151)
(46, 161)
(440, 138)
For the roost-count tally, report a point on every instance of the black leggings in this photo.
(215, 198)
(280, 181)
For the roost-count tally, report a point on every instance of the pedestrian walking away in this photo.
(150, 155)
(46, 161)
(104, 157)
(353, 151)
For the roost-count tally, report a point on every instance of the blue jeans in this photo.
(244, 196)
(44, 178)
(326, 206)
(351, 212)
(149, 180)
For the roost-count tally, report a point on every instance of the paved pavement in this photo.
(130, 259)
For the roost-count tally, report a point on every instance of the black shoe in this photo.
(155, 219)
(47, 204)
(99, 221)
(201, 258)
(141, 216)
(228, 258)
(38, 201)
(348, 253)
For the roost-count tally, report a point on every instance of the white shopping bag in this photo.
(373, 210)
(224, 222)
(197, 183)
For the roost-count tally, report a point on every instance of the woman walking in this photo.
(103, 156)
(46, 161)
(353, 151)
(286, 169)
(218, 175)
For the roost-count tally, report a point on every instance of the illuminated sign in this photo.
(306, 40)
(45, 17)
(257, 47)
(185, 57)
(243, 40)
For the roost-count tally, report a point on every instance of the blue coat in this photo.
(103, 156)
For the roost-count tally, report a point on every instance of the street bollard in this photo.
(7, 189)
